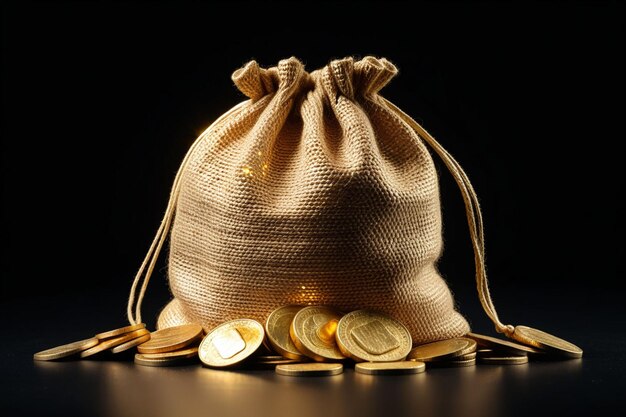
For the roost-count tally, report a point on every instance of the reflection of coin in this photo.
(231, 342)
(310, 369)
(171, 338)
(277, 329)
(546, 341)
(390, 368)
(66, 350)
(444, 349)
(120, 331)
(501, 344)
(313, 332)
(131, 344)
(369, 336)
(113, 342)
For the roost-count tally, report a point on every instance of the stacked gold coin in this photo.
(367, 336)
(379, 343)
(316, 341)
(171, 346)
(457, 352)
(549, 344)
(302, 334)
(277, 328)
(112, 341)
(325, 336)
(495, 351)
(535, 345)
(310, 369)
(312, 331)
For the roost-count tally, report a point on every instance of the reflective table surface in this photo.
(108, 387)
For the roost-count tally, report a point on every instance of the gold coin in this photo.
(131, 344)
(497, 359)
(310, 369)
(443, 349)
(313, 332)
(467, 356)
(546, 341)
(390, 368)
(66, 350)
(277, 330)
(365, 335)
(120, 331)
(495, 343)
(140, 359)
(183, 353)
(452, 363)
(112, 342)
(171, 338)
(231, 342)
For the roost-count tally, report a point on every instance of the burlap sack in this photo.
(313, 192)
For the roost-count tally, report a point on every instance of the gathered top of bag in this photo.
(345, 77)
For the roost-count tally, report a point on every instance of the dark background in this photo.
(101, 100)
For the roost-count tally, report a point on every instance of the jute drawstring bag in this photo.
(315, 191)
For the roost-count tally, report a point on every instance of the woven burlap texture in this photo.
(313, 193)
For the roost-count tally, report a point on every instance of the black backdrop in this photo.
(102, 99)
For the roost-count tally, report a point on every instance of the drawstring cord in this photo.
(474, 218)
(159, 239)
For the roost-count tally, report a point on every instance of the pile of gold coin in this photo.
(457, 352)
(109, 342)
(171, 346)
(316, 341)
